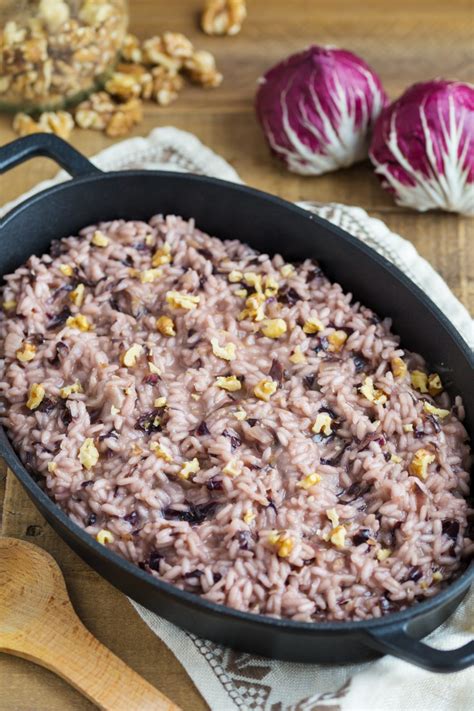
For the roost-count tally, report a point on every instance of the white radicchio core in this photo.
(423, 147)
(317, 109)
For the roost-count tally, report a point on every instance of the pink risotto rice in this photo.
(233, 424)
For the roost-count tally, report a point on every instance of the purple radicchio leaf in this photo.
(317, 108)
(423, 147)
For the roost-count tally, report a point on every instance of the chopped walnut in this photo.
(161, 452)
(265, 389)
(226, 352)
(99, 239)
(141, 76)
(436, 411)
(338, 536)
(336, 341)
(100, 112)
(130, 357)
(24, 125)
(419, 381)
(123, 86)
(166, 86)
(4, 84)
(154, 53)
(323, 423)
(131, 50)
(88, 453)
(177, 45)
(297, 357)
(248, 517)
(232, 468)
(420, 463)
(274, 327)
(26, 353)
(36, 395)
(95, 112)
(223, 17)
(95, 12)
(79, 322)
(312, 325)
(230, 383)
(162, 256)
(284, 547)
(77, 295)
(125, 118)
(189, 468)
(60, 123)
(180, 300)
(54, 12)
(201, 68)
(12, 34)
(435, 386)
(309, 481)
(148, 276)
(87, 118)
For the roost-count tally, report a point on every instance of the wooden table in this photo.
(406, 41)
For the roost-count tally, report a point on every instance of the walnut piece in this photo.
(223, 17)
(154, 53)
(125, 118)
(95, 112)
(201, 69)
(166, 85)
(101, 113)
(177, 45)
(54, 13)
(60, 123)
(131, 50)
(123, 86)
(141, 75)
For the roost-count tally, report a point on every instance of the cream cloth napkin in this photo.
(231, 681)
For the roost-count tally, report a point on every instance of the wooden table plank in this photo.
(408, 41)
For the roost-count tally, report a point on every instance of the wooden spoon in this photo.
(38, 622)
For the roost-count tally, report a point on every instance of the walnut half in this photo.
(223, 17)
(60, 123)
(201, 69)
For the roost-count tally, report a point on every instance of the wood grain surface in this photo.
(406, 41)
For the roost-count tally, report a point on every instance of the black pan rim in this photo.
(459, 585)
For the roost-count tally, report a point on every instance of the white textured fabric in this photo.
(231, 681)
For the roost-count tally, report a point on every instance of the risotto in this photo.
(233, 424)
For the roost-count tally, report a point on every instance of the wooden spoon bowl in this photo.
(38, 622)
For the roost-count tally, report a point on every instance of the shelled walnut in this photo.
(60, 123)
(101, 113)
(223, 17)
(201, 68)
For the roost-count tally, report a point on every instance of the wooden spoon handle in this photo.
(79, 658)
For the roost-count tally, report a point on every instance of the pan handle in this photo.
(45, 144)
(396, 641)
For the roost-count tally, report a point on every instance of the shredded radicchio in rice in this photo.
(276, 372)
(225, 481)
(195, 514)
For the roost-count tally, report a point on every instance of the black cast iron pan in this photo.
(271, 225)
